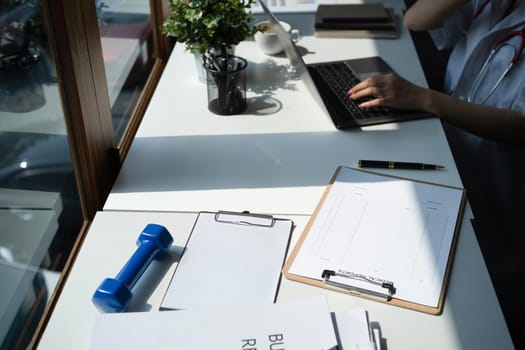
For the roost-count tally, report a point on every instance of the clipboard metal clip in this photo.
(376, 282)
(245, 218)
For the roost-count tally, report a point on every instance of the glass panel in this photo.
(40, 214)
(127, 46)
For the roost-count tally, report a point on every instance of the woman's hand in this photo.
(389, 90)
(393, 91)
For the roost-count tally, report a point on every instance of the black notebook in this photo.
(356, 21)
(352, 13)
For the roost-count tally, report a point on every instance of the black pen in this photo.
(397, 165)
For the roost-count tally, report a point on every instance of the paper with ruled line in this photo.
(385, 227)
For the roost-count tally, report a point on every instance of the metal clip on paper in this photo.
(244, 218)
(377, 287)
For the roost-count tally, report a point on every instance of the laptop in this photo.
(328, 83)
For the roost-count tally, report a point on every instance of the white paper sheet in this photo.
(298, 325)
(388, 228)
(354, 330)
(234, 261)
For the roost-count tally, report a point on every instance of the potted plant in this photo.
(212, 28)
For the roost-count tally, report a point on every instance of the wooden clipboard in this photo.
(319, 282)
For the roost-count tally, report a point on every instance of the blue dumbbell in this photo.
(114, 294)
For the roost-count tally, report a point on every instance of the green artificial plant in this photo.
(210, 27)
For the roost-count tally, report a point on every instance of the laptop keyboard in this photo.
(340, 79)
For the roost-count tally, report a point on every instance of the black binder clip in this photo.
(373, 281)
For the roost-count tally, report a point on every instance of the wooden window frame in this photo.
(75, 45)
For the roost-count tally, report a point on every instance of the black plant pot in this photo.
(227, 88)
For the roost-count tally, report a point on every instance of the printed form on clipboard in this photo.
(382, 237)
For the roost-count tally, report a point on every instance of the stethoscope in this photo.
(499, 44)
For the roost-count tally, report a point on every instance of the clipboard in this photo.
(354, 243)
(230, 259)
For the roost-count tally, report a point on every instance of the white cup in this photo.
(268, 41)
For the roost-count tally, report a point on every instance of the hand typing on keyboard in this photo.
(389, 90)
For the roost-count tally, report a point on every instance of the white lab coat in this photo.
(493, 172)
(472, 41)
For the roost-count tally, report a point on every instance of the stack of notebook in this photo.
(356, 21)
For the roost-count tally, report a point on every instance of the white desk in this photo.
(185, 158)
(471, 317)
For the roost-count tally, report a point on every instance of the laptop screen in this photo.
(285, 40)
(293, 54)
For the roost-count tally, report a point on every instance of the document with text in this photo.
(371, 227)
(303, 324)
